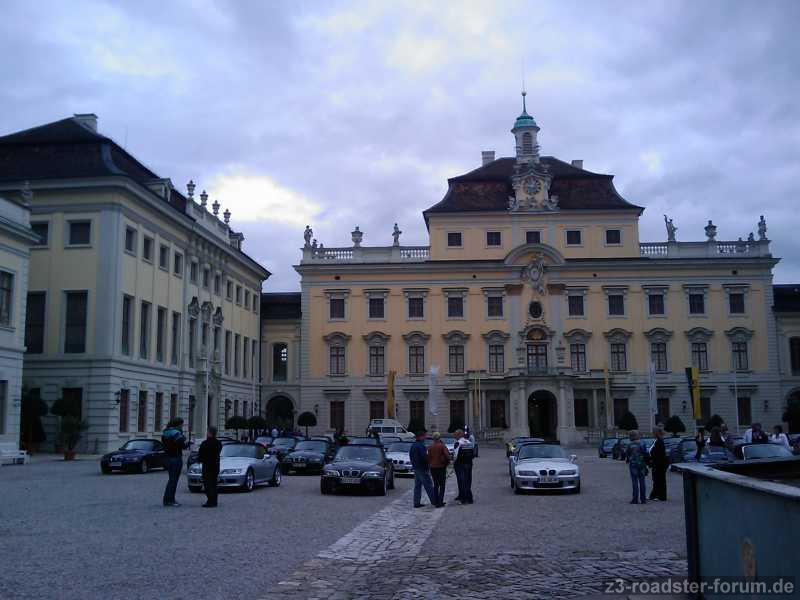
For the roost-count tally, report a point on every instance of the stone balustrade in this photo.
(377, 254)
(708, 249)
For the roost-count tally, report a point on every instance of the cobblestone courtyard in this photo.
(68, 532)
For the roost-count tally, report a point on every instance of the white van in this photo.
(390, 427)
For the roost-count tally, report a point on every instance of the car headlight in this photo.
(568, 472)
(373, 474)
(526, 473)
(231, 472)
(195, 468)
(314, 459)
(332, 473)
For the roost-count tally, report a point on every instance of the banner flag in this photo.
(652, 385)
(390, 412)
(693, 379)
(433, 391)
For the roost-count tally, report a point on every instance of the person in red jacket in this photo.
(438, 458)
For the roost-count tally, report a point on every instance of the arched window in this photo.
(794, 354)
(527, 143)
(280, 362)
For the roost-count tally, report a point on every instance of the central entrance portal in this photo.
(280, 412)
(542, 414)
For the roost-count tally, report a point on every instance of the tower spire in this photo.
(524, 93)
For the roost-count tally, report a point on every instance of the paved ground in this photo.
(72, 533)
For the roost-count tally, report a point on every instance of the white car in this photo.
(398, 454)
(545, 467)
(390, 427)
(241, 465)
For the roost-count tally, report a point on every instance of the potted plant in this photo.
(307, 419)
(256, 424)
(674, 425)
(70, 432)
(627, 422)
(236, 422)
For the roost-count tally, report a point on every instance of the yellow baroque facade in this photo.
(535, 309)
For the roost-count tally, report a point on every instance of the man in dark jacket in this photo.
(174, 444)
(422, 471)
(208, 456)
(462, 466)
(660, 463)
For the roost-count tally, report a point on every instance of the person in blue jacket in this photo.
(422, 469)
(174, 444)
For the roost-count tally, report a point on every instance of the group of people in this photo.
(175, 443)
(430, 468)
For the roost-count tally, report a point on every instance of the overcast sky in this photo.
(337, 114)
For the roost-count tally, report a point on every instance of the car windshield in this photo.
(285, 442)
(609, 443)
(400, 447)
(369, 454)
(138, 445)
(765, 451)
(689, 446)
(541, 451)
(448, 440)
(264, 440)
(240, 450)
(312, 446)
(364, 440)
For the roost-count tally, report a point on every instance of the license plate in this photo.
(299, 462)
(115, 464)
(548, 479)
(350, 480)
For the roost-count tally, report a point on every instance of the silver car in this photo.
(398, 454)
(241, 466)
(545, 466)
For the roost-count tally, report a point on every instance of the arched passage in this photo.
(542, 414)
(280, 412)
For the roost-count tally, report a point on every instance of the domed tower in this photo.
(525, 132)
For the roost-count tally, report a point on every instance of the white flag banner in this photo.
(652, 385)
(433, 390)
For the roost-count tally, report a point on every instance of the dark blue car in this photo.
(606, 447)
(135, 456)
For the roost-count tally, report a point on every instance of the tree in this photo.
(62, 408)
(307, 419)
(674, 425)
(714, 421)
(70, 431)
(236, 422)
(256, 423)
(32, 409)
(627, 421)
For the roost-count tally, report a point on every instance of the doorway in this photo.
(542, 415)
(280, 413)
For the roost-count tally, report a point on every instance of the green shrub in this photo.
(674, 425)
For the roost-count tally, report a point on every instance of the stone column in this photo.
(594, 420)
(520, 391)
(565, 428)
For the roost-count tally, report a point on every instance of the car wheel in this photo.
(382, 489)
(325, 487)
(249, 481)
(577, 490)
(143, 467)
(517, 490)
(276, 478)
(511, 480)
(391, 481)
(195, 489)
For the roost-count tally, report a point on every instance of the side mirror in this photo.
(573, 458)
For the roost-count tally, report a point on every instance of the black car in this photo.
(358, 466)
(135, 456)
(193, 453)
(683, 451)
(606, 447)
(364, 441)
(282, 446)
(620, 449)
(307, 456)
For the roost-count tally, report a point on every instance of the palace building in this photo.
(141, 303)
(534, 309)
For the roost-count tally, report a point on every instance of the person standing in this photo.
(636, 457)
(462, 465)
(658, 456)
(779, 438)
(700, 442)
(174, 444)
(438, 458)
(274, 432)
(758, 435)
(208, 456)
(422, 473)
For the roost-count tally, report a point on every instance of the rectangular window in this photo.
(497, 356)
(655, 304)
(454, 239)
(616, 304)
(744, 410)
(176, 338)
(130, 240)
(416, 409)
(75, 323)
(700, 355)
(613, 237)
(337, 415)
(574, 237)
(537, 358)
(533, 237)
(229, 290)
(458, 412)
(794, 354)
(246, 298)
(736, 303)
(336, 308)
(619, 359)
(581, 406)
(217, 284)
(575, 302)
(147, 249)
(577, 357)
(253, 358)
(416, 308)
(34, 322)
(173, 406)
(193, 271)
(43, 231)
(227, 353)
(6, 297)
(658, 354)
(705, 409)
(337, 357)
(494, 307)
(238, 294)
(237, 342)
(192, 342)
(697, 304)
(456, 358)
(206, 278)
(620, 408)
(177, 264)
(158, 410)
(127, 324)
(663, 410)
(494, 238)
(3, 405)
(377, 361)
(416, 360)
(455, 307)
(80, 233)
(124, 410)
(161, 326)
(740, 360)
(497, 413)
(236, 408)
(245, 354)
(375, 409)
(144, 330)
(141, 422)
(163, 262)
(280, 362)
(376, 308)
